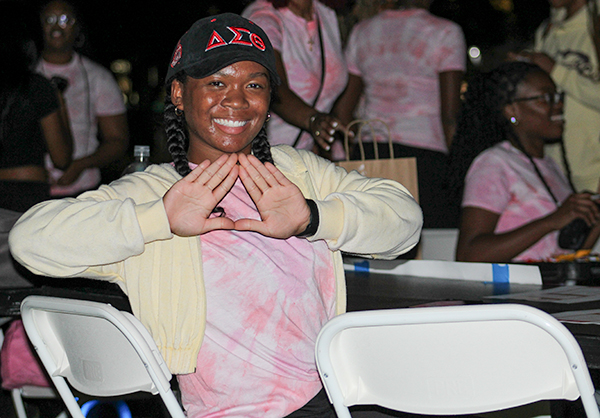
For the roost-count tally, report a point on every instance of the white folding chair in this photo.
(451, 360)
(32, 392)
(97, 349)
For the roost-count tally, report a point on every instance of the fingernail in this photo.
(331, 139)
(327, 148)
(335, 124)
(332, 131)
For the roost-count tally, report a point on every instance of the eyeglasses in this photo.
(61, 20)
(549, 98)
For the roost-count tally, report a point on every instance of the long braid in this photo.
(261, 147)
(481, 122)
(177, 140)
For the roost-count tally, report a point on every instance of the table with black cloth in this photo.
(71, 288)
(365, 291)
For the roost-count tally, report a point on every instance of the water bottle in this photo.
(141, 159)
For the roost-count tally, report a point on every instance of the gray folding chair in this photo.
(451, 360)
(99, 350)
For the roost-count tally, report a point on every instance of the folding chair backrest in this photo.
(98, 349)
(451, 360)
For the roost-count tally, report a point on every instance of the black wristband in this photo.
(313, 225)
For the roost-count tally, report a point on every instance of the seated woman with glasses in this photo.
(515, 200)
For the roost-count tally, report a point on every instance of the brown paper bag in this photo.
(402, 170)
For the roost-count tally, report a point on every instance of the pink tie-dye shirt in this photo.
(503, 181)
(298, 42)
(267, 300)
(399, 55)
(92, 92)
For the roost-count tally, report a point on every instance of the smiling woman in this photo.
(234, 295)
(515, 198)
(227, 109)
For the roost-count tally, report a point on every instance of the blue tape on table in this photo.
(361, 266)
(500, 273)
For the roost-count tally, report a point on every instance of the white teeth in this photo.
(231, 123)
(557, 118)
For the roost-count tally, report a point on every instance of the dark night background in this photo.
(145, 33)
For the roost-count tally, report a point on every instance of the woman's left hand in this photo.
(322, 127)
(281, 205)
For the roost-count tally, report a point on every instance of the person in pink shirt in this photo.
(94, 101)
(515, 199)
(406, 68)
(310, 62)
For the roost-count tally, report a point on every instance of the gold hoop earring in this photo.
(178, 112)
(268, 117)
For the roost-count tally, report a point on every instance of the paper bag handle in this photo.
(362, 123)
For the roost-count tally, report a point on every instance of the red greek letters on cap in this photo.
(214, 41)
(217, 40)
(237, 39)
(257, 41)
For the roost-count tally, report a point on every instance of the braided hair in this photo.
(482, 124)
(178, 138)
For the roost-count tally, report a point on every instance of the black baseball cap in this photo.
(214, 42)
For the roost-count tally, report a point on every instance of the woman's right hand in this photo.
(577, 205)
(190, 201)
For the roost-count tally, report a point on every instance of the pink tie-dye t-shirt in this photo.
(399, 55)
(502, 180)
(267, 300)
(92, 92)
(298, 42)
